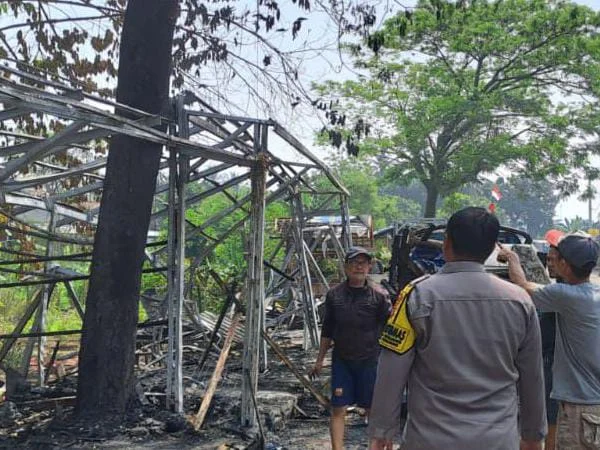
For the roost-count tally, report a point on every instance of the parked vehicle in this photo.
(416, 249)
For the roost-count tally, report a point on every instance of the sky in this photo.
(327, 64)
(595, 4)
(571, 207)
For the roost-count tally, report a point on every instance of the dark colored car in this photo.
(417, 250)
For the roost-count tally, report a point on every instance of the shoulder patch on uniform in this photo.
(398, 334)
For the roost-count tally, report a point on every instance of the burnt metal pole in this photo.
(311, 330)
(176, 256)
(346, 231)
(255, 285)
(263, 148)
(43, 307)
(178, 171)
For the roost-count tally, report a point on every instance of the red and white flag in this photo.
(496, 193)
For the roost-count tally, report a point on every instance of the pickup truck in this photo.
(416, 249)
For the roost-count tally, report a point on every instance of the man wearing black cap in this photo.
(355, 313)
(576, 369)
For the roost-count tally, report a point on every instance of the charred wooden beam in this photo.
(198, 419)
(302, 378)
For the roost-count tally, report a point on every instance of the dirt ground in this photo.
(290, 416)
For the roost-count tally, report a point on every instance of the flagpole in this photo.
(590, 201)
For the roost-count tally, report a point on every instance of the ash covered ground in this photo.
(291, 417)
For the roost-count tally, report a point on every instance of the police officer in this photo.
(467, 343)
(355, 312)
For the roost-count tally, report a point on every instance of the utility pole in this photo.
(590, 196)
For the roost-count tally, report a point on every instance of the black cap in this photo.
(579, 249)
(353, 252)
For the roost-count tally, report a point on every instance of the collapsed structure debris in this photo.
(56, 206)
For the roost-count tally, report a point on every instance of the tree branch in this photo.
(491, 85)
(444, 59)
(84, 4)
(523, 131)
(478, 71)
(54, 21)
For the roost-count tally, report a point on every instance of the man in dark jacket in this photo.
(355, 312)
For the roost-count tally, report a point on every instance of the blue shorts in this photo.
(352, 382)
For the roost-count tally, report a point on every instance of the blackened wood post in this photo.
(106, 384)
(255, 285)
(178, 172)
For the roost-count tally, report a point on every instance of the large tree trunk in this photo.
(106, 358)
(431, 200)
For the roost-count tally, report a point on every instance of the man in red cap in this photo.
(576, 369)
(548, 329)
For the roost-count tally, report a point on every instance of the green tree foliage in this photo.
(229, 256)
(578, 223)
(527, 204)
(230, 249)
(413, 191)
(459, 200)
(458, 89)
(366, 196)
(228, 259)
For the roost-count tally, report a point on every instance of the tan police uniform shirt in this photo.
(468, 346)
